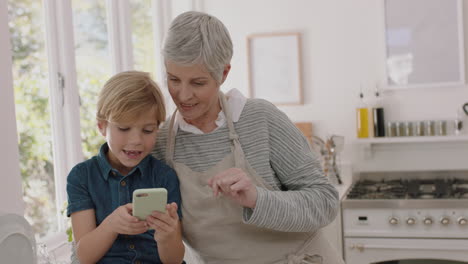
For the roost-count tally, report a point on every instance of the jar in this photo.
(441, 127)
(400, 129)
(390, 129)
(409, 131)
(419, 128)
(429, 128)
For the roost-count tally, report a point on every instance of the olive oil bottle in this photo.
(362, 118)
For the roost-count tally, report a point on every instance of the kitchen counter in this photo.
(347, 179)
(342, 189)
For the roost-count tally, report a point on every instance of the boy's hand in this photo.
(164, 224)
(121, 221)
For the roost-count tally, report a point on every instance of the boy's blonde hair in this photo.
(128, 94)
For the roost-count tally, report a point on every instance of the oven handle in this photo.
(362, 247)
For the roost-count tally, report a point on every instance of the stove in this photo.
(410, 189)
(401, 216)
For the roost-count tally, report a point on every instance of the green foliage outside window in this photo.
(30, 74)
(33, 113)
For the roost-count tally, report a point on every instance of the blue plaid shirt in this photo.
(94, 184)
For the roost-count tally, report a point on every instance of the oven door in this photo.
(407, 251)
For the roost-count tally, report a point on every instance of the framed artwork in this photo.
(274, 67)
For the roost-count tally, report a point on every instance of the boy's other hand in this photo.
(121, 221)
(165, 224)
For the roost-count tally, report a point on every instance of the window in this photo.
(62, 55)
(93, 66)
(142, 35)
(30, 77)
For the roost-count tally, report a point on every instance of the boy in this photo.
(130, 109)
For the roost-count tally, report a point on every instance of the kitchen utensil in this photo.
(461, 124)
(336, 145)
(328, 150)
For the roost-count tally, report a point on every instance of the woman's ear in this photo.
(226, 70)
(102, 125)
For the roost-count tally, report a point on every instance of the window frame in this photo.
(64, 96)
(9, 158)
(64, 90)
(120, 35)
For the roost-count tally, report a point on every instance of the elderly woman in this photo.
(252, 189)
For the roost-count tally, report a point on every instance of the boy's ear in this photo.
(102, 125)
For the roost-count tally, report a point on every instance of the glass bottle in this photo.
(378, 116)
(362, 118)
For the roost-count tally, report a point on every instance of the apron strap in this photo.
(240, 160)
(171, 141)
(236, 148)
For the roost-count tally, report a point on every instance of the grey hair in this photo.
(199, 38)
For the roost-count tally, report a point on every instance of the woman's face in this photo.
(195, 92)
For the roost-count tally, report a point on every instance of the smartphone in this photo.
(145, 201)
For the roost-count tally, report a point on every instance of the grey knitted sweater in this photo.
(302, 201)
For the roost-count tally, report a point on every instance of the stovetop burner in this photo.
(410, 189)
(461, 193)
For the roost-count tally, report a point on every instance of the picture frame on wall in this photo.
(274, 67)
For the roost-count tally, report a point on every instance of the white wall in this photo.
(342, 46)
(10, 190)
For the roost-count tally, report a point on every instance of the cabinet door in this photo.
(411, 251)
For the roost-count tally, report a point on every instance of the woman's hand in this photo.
(165, 224)
(121, 221)
(237, 185)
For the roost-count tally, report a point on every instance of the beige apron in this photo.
(214, 227)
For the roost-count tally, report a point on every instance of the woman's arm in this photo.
(92, 242)
(301, 198)
(309, 201)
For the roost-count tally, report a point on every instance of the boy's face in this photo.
(129, 141)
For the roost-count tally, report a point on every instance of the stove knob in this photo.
(445, 221)
(410, 221)
(427, 221)
(462, 221)
(393, 221)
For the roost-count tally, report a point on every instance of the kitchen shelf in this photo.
(412, 153)
(421, 139)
